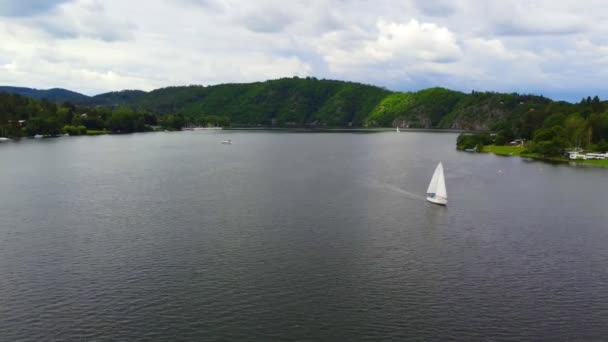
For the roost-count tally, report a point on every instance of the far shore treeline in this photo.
(549, 132)
(308, 102)
(23, 116)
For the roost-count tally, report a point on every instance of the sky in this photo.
(557, 48)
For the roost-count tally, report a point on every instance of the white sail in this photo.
(436, 191)
(433, 184)
(441, 190)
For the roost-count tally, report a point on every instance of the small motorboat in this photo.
(3, 139)
(227, 142)
(38, 136)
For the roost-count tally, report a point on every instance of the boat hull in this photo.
(437, 200)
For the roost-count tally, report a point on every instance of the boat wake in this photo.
(376, 184)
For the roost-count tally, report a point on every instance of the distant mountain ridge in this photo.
(62, 95)
(54, 94)
(116, 97)
(321, 103)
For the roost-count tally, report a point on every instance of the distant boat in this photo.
(3, 139)
(436, 192)
(474, 149)
(38, 136)
(398, 130)
(227, 142)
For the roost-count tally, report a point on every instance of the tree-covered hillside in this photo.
(549, 128)
(422, 109)
(312, 102)
(55, 94)
(328, 103)
(282, 102)
(115, 98)
(482, 110)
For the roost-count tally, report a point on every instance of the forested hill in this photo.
(328, 103)
(60, 95)
(283, 102)
(55, 94)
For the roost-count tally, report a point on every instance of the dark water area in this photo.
(296, 237)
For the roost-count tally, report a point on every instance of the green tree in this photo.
(556, 119)
(469, 141)
(596, 105)
(549, 141)
(75, 130)
(126, 120)
(500, 139)
(174, 122)
(599, 126)
(576, 130)
(44, 126)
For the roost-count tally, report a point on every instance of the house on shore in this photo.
(518, 142)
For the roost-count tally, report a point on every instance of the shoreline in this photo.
(509, 151)
(348, 130)
(281, 129)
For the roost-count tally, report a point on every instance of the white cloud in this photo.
(89, 19)
(268, 20)
(494, 49)
(554, 47)
(425, 42)
(394, 53)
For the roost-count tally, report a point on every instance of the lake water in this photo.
(296, 237)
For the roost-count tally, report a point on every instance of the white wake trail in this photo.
(376, 184)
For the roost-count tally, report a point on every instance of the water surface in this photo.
(295, 237)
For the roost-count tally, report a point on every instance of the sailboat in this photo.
(398, 130)
(436, 192)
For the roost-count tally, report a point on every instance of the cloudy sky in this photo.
(558, 48)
